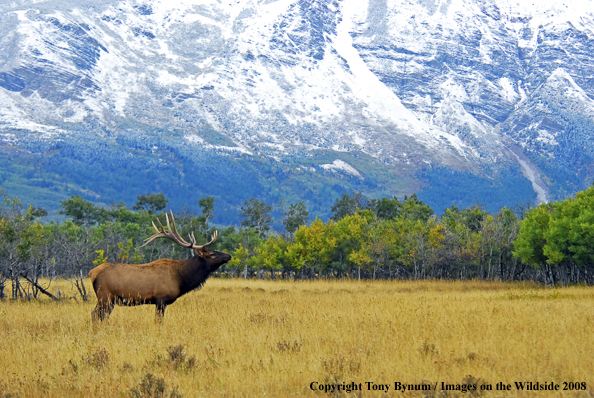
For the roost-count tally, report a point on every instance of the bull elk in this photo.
(160, 282)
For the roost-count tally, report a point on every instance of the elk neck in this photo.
(193, 272)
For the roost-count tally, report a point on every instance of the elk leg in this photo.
(160, 312)
(102, 311)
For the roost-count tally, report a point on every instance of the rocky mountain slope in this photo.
(487, 100)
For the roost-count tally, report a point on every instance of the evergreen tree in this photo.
(295, 217)
(81, 211)
(385, 208)
(256, 215)
(153, 203)
(347, 205)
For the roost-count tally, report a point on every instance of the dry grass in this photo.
(237, 338)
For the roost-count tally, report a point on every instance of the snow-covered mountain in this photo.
(387, 96)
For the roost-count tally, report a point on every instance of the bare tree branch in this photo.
(42, 290)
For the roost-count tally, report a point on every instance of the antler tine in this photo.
(176, 234)
(155, 227)
(160, 233)
(173, 230)
(152, 238)
(212, 240)
(167, 218)
(155, 236)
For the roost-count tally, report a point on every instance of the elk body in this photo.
(160, 282)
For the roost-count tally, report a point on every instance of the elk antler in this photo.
(172, 234)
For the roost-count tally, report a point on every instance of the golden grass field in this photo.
(238, 338)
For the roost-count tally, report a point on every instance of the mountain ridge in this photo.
(499, 91)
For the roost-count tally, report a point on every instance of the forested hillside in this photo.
(365, 239)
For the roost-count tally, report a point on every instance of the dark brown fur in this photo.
(160, 282)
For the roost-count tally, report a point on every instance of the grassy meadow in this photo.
(238, 338)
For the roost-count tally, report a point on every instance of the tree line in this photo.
(365, 239)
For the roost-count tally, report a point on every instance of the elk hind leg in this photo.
(160, 312)
(102, 310)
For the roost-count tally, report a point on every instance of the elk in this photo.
(160, 282)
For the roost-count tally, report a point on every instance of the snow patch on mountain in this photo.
(199, 141)
(340, 165)
(507, 89)
(562, 80)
